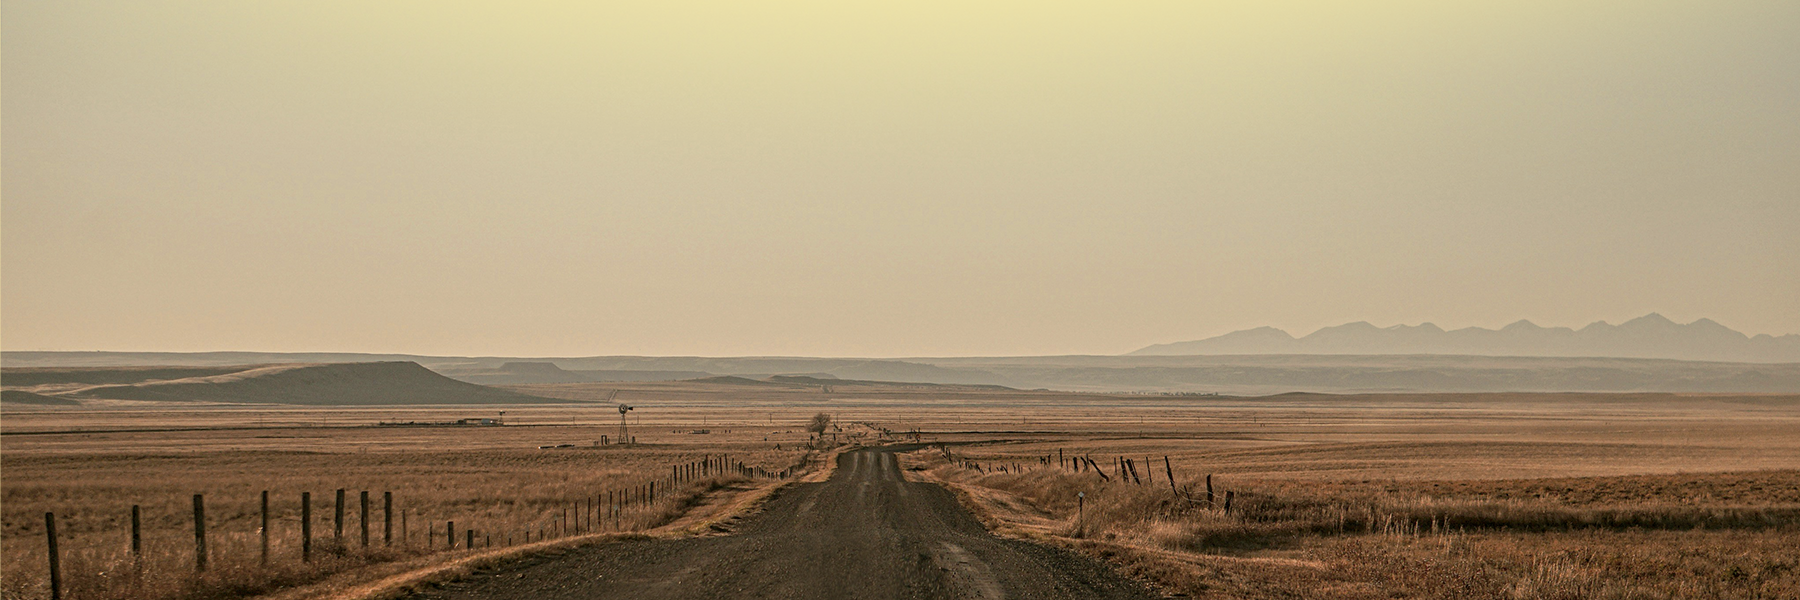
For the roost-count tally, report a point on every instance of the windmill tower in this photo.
(624, 434)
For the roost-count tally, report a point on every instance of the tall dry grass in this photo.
(1313, 540)
(504, 496)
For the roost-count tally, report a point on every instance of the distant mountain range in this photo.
(1649, 336)
(1647, 354)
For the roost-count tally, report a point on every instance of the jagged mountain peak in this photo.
(1264, 332)
(1597, 326)
(1652, 320)
(1521, 325)
(1358, 326)
(1709, 324)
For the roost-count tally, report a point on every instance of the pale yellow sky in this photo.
(884, 178)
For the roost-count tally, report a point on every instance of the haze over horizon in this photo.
(884, 180)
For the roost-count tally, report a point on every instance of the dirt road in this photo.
(864, 534)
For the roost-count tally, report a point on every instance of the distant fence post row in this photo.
(603, 511)
(1124, 470)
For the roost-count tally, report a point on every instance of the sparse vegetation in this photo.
(1387, 540)
(820, 423)
(504, 495)
(1508, 496)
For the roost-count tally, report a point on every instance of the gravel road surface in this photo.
(864, 534)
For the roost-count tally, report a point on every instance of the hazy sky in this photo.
(885, 178)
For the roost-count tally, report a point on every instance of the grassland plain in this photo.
(1677, 535)
(494, 481)
(1694, 489)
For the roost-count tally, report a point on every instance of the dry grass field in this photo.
(1391, 496)
(1287, 540)
(495, 481)
(1598, 497)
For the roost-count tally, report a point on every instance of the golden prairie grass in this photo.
(505, 496)
(1572, 463)
(1677, 536)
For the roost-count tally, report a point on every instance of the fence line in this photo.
(1125, 471)
(588, 514)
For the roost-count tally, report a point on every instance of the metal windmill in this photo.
(624, 436)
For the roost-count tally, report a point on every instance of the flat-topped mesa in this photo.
(371, 383)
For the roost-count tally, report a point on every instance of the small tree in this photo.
(820, 423)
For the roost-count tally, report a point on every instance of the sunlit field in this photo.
(1513, 495)
(498, 485)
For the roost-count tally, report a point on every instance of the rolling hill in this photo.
(328, 384)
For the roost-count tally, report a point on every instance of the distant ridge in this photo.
(1649, 336)
(329, 384)
(24, 397)
(529, 372)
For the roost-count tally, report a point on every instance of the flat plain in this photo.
(1352, 496)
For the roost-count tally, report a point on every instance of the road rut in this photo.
(866, 533)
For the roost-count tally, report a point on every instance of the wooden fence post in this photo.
(1170, 470)
(265, 527)
(55, 557)
(364, 519)
(199, 533)
(450, 535)
(387, 518)
(337, 523)
(306, 526)
(469, 544)
(1209, 492)
(1228, 495)
(137, 539)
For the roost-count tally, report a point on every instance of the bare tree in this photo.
(820, 423)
